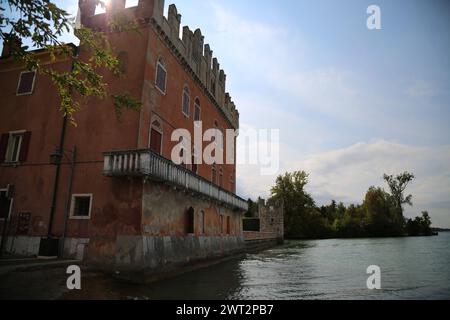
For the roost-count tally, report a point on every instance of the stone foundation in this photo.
(146, 258)
(74, 248)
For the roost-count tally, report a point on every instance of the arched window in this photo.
(185, 101)
(197, 110)
(190, 221)
(161, 76)
(156, 134)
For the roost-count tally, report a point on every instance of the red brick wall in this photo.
(117, 204)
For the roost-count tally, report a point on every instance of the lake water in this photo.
(411, 268)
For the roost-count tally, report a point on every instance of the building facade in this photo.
(115, 198)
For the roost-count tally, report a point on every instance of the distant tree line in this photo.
(379, 215)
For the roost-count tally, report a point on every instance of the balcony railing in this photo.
(136, 163)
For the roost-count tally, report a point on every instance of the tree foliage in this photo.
(419, 225)
(398, 185)
(302, 219)
(43, 23)
(378, 215)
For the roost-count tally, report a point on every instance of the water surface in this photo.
(411, 268)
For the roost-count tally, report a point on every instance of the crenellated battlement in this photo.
(194, 54)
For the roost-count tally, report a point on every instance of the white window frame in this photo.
(72, 206)
(32, 84)
(158, 63)
(10, 205)
(9, 148)
(186, 90)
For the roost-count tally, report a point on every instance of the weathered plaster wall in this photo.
(271, 223)
(164, 213)
(164, 243)
(154, 254)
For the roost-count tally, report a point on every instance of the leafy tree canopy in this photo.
(43, 23)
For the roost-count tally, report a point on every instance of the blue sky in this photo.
(350, 103)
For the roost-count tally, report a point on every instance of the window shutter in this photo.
(25, 145)
(3, 146)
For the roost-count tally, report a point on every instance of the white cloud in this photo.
(346, 174)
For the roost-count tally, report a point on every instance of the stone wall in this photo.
(197, 57)
(74, 248)
(165, 243)
(271, 221)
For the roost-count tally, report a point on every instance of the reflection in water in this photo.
(412, 268)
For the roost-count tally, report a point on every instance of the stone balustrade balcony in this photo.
(146, 163)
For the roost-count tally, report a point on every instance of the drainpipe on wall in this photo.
(49, 247)
(68, 199)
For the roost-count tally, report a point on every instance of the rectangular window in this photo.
(81, 206)
(15, 142)
(26, 83)
(14, 146)
(161, 77)
(228, 225)
(221, 224)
